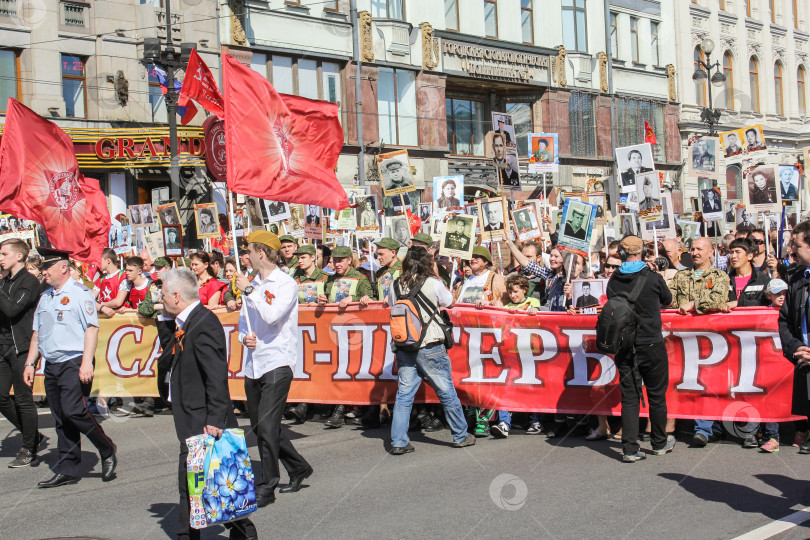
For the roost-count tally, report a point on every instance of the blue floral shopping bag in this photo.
(228, 490)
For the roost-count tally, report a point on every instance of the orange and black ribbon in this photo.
(178, 340)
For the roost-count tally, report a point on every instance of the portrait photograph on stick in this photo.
(458, 236)
(395, 172)
(505, 162)
(173, 240)
(205, 216)
(662, 228)
(277, 211)
(626, 224)
(761, 193)
(576, 226)
(398, 229)
(169, 214)
(502, 125)
(368, 224)
(493, 215)
(527, 225)
(754, 139)
(632, 161)
(544, 154)
(731, 142)
(703, 154)
(588, 295)
(253, 213)
(711, 204)
(649, 196)
(448, 192)
(789, 182)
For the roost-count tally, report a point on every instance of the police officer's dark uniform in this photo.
(60, 322)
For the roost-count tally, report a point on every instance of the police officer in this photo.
(66, 335)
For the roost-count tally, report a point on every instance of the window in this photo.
(304, 77)
(753, 79)
(258, 63)
(465, 127)
(451, 14)
(386, 9)
(728, 71)
(332, 6)
(330, 82)
(630, 117)
(634, 39)
(654, 53)
(283, 74)
(582, 122)
(73, 15)
(614, 35)
(396, 107)
(777, 89)
(800, 86)
(522, 122)
(491, 18)
(73, 86)
(9, 76)
(526, 23)
(700, 84)
(156, 99)
(573, 21)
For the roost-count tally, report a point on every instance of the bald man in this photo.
(702, 289)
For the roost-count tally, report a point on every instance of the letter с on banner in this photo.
(521, 363)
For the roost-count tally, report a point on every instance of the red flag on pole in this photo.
(199, 84)
(281, 148)
(649, 134)
(40, 180)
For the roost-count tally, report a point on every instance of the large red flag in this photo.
(281, 148)
(40, 180)
(97, 223)
(199, 84)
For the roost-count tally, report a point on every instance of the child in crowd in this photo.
(776, 291)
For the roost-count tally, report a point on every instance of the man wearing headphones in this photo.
(646, 360)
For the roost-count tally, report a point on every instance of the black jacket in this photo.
(793, 311)
(19, 295)
(754, 292)
(654, 295)
(199, 374)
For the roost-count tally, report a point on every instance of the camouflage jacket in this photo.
(709, 292)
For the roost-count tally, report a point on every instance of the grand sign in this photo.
(491, 63)
(129, 147)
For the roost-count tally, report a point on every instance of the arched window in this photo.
(800, 76)
(700, 84)
(753, 78)
(777, 88)
(728, 71)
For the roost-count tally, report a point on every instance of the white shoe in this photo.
(500, 431)
(534, 429)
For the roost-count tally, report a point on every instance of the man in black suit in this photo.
(629, 176)
(195, 362)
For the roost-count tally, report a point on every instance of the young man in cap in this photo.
(19, 294)
(113, 290)
(424, 240)
(647, 356)
(387, 249)
(65, 335)
(342, 259)
(151, 305)
(270, 303)
(287, 253)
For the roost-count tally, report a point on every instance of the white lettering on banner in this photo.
(749, 347)
(692, 361)
(342, 333)
(579, 358)
(147, 370)
(298, 370)
(113, 360)
(476, 357)
(388, 362)
(529, 360)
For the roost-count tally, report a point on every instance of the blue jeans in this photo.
(708, 426)
(505, 417)
(432, 364)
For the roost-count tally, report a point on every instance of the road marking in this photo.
(777, 527)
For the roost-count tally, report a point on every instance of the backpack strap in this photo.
(634, 294)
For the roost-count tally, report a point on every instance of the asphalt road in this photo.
(521, 487)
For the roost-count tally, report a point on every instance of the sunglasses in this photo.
(613, 266)
(758, 242)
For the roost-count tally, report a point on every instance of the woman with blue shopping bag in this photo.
(193, 376)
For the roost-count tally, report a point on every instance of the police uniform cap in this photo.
(393, 163)
(424, 238)
(305, 250)
(162, 262)
(287, 238)
(481, 251)
(388, 243)
(633, 245)
(264, 237)
(341, 252)
(51, 256)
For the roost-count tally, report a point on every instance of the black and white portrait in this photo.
(626, 224)
(704, 155)
(457, 237)
(398, 229)
(754, 139)
(169, 214)
(762, 194)
(649, 192)
(745, 217)
(172, 240)
(711, 204)
(276, 210)
(634, 160)
(502, 125)
(366, 212)
(492, 213)
(254, 213)
(395, 172)
(664, 227)
(448, 192)
(788, 182)
(588, 295)
(731, 142)
(526, 223)
(576, 220)
(207, 225)
(425, 210)
(505, 162)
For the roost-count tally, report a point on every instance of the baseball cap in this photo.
(775, 286)
(370, 265)
(341, 252)
(162, 262)
(481, 251)
(424, 238)
(305, 250)
(633, 245)
(264, 237)
(287, 238)
(388, 243)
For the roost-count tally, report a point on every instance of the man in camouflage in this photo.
(390, 265)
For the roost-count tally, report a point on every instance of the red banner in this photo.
(199, 84)
(723, 366)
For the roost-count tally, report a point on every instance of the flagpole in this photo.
(236, 250)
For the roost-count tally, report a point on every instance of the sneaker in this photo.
(534, 429)
(771, 446)
(24, 459)
(469, 441)
(799, 438)
(667, 448)
(500, 431)
(700, 440)
(632, 458)
(750, 441)
(481, 429)
(399, 450)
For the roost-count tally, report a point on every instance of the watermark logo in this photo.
(508, 492)
(742, 426)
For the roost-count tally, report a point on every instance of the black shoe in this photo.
(39, 440)
(58, 480)
(295, 482)
(399, 450)
(804, 448)
(108, 467)
(433, 424)
(336, 420)
(25, 458)
(750, 441)
(299, 413)
(262, 501)
(699, 440)
(143, 409)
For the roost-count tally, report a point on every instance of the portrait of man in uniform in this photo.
(505, 163)
(632, 161)
(731, 143)
(577, 220)
(457, 238)
(395, 172)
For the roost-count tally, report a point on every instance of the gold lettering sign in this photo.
(495, 63)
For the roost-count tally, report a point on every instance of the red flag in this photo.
(414, 222)
(97, 222)
(40, 180)
(280, 148)
(199, 84)
(649, 134)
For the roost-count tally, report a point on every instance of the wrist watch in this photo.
(248, 290)
(30, 364)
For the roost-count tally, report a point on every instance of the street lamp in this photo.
(709, 115)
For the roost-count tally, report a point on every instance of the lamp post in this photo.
(709, 115)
